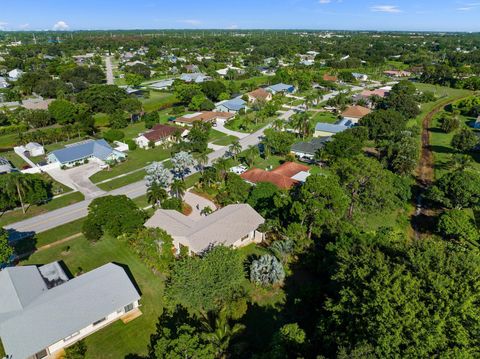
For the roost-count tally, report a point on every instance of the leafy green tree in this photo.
(113, 215)
(382, 296)
(459, 225)
(465, 140)
(133, 80)
(113, 135)
(198, 136)
(234, 190)
(302, 123)
(278, 143)
(156, 194)
(262, 198)
(449, 123)
(208, 283)
(288, 342)
(131, 105)
(320, 203)
(383, 124)
(6, 250)
(459, 189)
(102, 98)
(178, 188)
(63, 111)
(117, 120)
(154, 247)
(345, 144)
(369, 186)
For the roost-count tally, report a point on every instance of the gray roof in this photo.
(280, 87)
(225, 226)
(45, 316)
(310, 147)
(330, 127)
(99, 149)
(235, 104)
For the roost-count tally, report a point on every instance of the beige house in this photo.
(259, 94)
(43, 310)
(235, 225)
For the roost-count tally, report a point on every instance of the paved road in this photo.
(221, 127)
(78, 210)
(109, 70)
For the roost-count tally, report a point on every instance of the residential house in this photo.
(323, 129)
(281, 88)
(360, 77)
(34, 149)
(381, 92)
(212, 117)
(195, 77)
(162, 85)
(43, 310)
(5, 166)
(305, 151)
(15, 74)
(259, 94)
(224, 72)
(235, 225)
(330, 78)
(192, 68)
(397, 73)
(159, 134)
(284, 176)
(3, 83)
(355, 113)
(234, 105)
(98, 151)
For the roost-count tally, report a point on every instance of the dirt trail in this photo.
(423, 219)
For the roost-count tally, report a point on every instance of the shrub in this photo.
(266, 270)
(113, 135)
(132, 146)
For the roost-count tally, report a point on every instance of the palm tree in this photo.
(235, 148)
(156, 194)
(202, 160)
(277, 124)
(301, 122)
(222, 164)
(309, 100)
(251, 155)
(18, 184)
(178, 188)
(220, 332)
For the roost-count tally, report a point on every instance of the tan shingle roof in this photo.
(356, 111)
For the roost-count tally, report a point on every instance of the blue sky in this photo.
(441, 15)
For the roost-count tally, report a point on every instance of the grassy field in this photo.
(219, 138)
(135, 160)
(32, 211)
(158, 100)
(324, 117)
(8, 141)
(14, 159)
(122, 181)
(117, 340)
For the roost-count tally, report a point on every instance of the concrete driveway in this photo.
(78, 179)
(197, 203)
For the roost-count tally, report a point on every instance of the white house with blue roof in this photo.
(98, 150)
(233, 106)
(323, 129)
(281, 88)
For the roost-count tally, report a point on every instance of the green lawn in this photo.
(32, 211)
(246, 123)
(158, 100)
(8, 141)
(219, 138)
(117, 340)
(324, 117)
(136, 159)
(14, 159)
(101, 120)
(58, 233)
(122, 181)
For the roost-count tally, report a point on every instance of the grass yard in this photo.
(101, 120)
(122, 181)
(32, 211)
(135, 160)
(324, 117)
(14, 159)
(158, 100)
(118, 340)
(219, 138)
(8, 141)
(246, 123)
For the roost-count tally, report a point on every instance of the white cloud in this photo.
(391, 9)
(192, 22)
(233, 27)
(466, 8)
(3, 25)
(24, 26)
(60, 26)
(324, 1)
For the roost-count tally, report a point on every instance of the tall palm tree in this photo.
(17, 184)
(178, 188)
(156, 194)
(202, 160)
(251, 155)
(277, 124)
(235, 148)
(301, 122)
(220, 332)
(222, 164)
